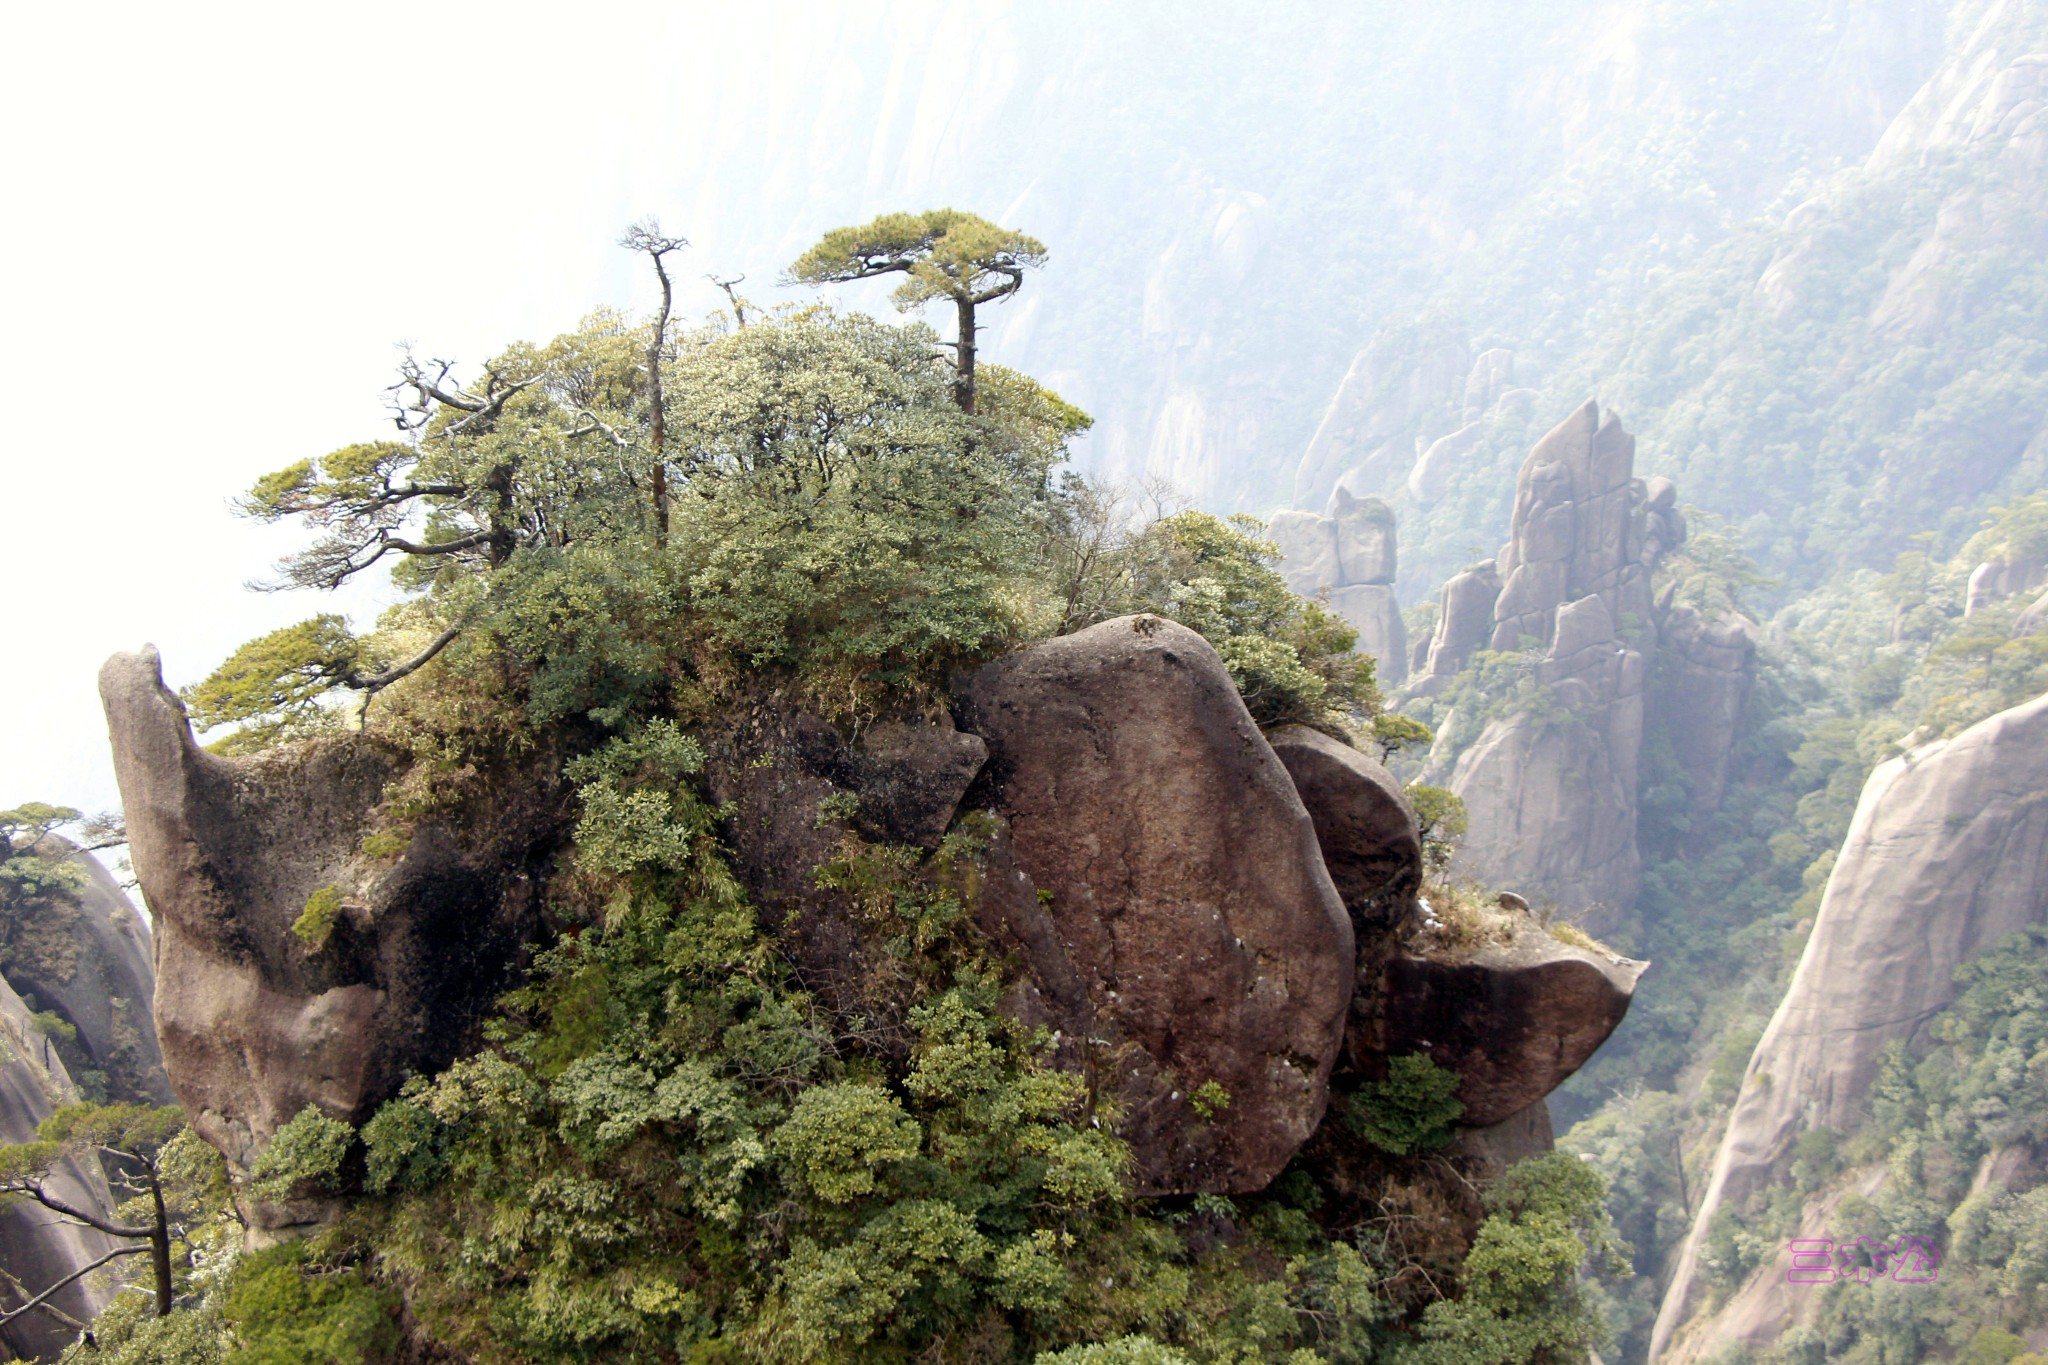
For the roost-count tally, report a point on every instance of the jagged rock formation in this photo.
(1551, 784)
(1947, 855)
(1464, 625)
(88, 962)
(256, 1021)
(1349, 557)
(36, 1248)
(1513, 1019)
(1162, 884)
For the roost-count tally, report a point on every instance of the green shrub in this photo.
(1410, 1111)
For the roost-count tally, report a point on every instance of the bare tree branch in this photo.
(37, 1302)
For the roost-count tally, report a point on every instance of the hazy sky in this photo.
(223, 220)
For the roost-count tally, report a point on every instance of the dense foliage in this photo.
(671, 1147)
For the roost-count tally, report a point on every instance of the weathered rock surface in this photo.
(1431, 476)
(1551, 792)
(1375, 613)
(36, 1248)
(1997, 579)
(1350, 559)
(1364, 827)
(1946, 856)
(256, 1023)
(776, 765)
(1493, 374)
(1366, 552)
(2033, 619)
(1161, 883)
(1551, 785)
(1514, 1020)
(1464, 625)
(1577, 531)
(88, 962)
(1521, 1135)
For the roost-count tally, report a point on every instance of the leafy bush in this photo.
(1410, 1111)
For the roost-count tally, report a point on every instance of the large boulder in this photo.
(1364, 827)
(1160, 881)
(1946, 856)
(1513, 1019)
(257, 1021)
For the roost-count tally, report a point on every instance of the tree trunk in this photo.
(160, 1249)
(658, 426)
(963, 383)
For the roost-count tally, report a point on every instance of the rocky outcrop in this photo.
(1551, 785)
(38, 1249)
(1464, 625)
(2033, 619)
(1514, 1019)
(1997, 579)
(86, 959)
(775, 767)
(1349, 558)
(1947, 855)
(258, 1021)
(1160, 882)
(1579, 529)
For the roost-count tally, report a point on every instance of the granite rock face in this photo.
(256, 1022)
(1349, 558)
(1464, 625)
(36, 1248)
(1390, 398)
(1364, 827)
(1160, 880)
(1551, 785)
(1946, 856)
(1997, 579)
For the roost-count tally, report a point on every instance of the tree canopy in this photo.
(942, 254)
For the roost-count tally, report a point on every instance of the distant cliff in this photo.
(1947, 856)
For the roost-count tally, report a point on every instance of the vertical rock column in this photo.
(1551, 785)
(1349, 557)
